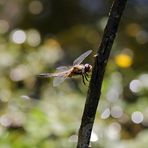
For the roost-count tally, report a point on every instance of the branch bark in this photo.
(94, 91)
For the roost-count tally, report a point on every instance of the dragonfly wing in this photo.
(56, 74)
(46, 75)
(58, 80)
(59, 72)
(62, 68)
(81, 57)
(61, 77)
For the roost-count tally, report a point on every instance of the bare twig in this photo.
(101, 59)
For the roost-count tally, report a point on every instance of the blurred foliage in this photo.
(37, 36)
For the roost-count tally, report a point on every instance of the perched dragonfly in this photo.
(64, 72)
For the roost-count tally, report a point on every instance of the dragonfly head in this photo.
(88, 67)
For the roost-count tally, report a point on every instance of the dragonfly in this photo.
(64, 72)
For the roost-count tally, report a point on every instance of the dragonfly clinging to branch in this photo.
(64, 72)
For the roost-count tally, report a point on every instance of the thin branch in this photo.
(94, 91)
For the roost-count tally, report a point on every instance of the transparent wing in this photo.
(59, 76)
(62, 68)
(46, 75)
(58, 80)
(81, 57)
(56, 74)
(60, 71)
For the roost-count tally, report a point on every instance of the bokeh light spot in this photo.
(6, 59)
(142, 37)
(123, 60)
(5, 121)
(112, 95)
(137, 117)
(116, 111)
(19, 73)
(132, 29)
(113, 131)
(18, 36)
(51, 51)
(105, 114)
(144, 80)
(33, 37)
(35, 7)
(135, 86)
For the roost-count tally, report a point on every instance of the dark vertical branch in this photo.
(101, 59)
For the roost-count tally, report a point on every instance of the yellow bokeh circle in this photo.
(123, 60)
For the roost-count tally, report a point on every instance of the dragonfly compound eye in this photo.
(87, 67)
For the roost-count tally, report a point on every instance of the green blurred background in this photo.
(37, 36)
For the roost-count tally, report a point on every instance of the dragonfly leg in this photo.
(86, 77)
(83, 78)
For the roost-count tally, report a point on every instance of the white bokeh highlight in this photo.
(135, 86)
(137, 117)
(18, 36)
(105, 114)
